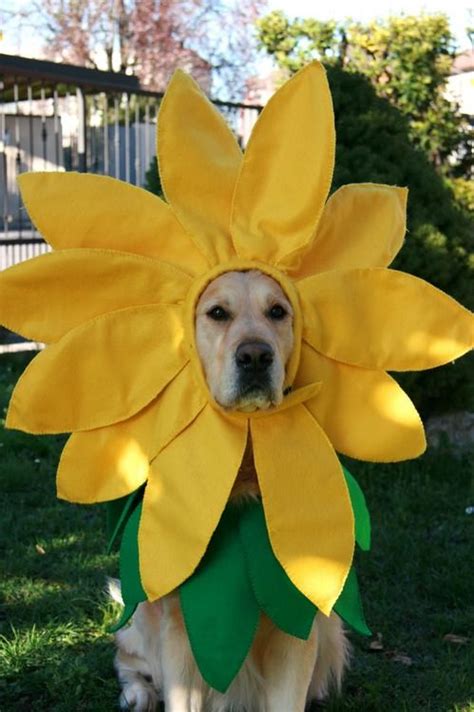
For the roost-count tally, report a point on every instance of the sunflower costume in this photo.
(115, 303)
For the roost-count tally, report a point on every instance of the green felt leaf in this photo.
(219, 607)
(349, 605)
(361, 512)
(238, 575)
(277, 596)
(128, 611)
(118, 511)
(132, 590)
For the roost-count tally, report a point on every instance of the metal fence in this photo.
(61, 117)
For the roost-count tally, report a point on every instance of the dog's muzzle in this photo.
(254, 360)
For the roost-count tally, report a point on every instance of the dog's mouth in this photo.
(255, 376)
(255, 395)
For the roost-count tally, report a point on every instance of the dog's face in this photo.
(244, 337)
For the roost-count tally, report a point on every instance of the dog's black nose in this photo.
(254, 356)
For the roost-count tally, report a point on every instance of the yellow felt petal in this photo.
(199, 161)
(384, 320)
(286, 172)
(107, 463)
(365, 414)
(188, 488)
(306, 503)
(363, 225)
(46, 297)
(86, 210)
(97, 466)
(101, 372)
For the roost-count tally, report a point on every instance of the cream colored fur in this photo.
(246, 297)
(281, 673)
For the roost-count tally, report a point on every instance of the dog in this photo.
(244, 338)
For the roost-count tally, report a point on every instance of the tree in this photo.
(407, 59)
(213, 39)
(470, 27)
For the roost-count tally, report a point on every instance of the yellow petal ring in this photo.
(116, 302)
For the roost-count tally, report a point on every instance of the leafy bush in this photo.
(408, 60)
(152, 178)
(464, 193)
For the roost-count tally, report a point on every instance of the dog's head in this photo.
(244, 337)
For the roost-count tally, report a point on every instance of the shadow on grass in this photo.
(63, 674)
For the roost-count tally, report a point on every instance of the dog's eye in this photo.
(277, 312)
(218, 314)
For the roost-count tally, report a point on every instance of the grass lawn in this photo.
(56, 654)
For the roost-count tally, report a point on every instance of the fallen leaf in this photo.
(39, 549)
(377, 643)
(456, 639)
(402, 658)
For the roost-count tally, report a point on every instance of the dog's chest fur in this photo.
(246, 483)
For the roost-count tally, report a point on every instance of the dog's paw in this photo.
(138, 696)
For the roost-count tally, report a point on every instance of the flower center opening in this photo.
(243, 325)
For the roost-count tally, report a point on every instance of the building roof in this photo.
(23, 69)
(464, 62)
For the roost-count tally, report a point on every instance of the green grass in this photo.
(56, 654)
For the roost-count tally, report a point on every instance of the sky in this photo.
(19, 37)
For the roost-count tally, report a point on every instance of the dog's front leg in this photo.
(288, 666)
(181, 689)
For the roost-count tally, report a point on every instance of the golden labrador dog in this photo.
(244, 336)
